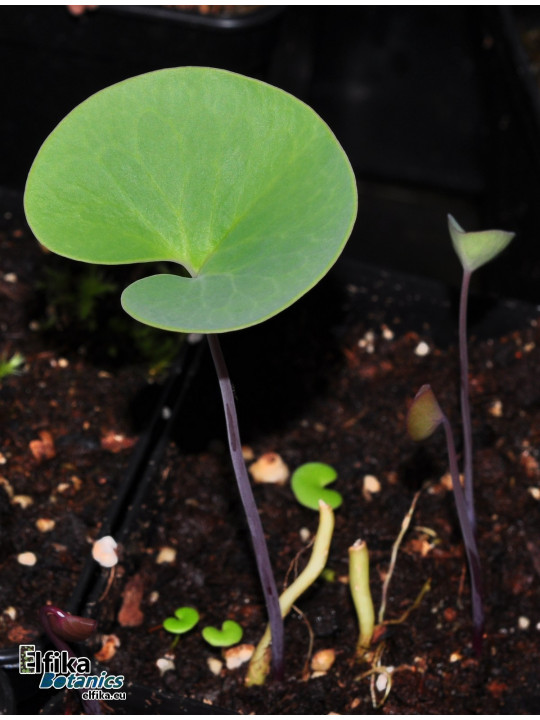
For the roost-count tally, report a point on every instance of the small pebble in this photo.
(387, 333)
(62, 362)
(270, 468)
(323, 660)
(166, 555)
(534, 492)
(238, 655)
(194, 338)
(496, 408)
(153, 597)
(455, 656)
(10, 277)
(166, 412)
(23, 500)
(45, 525)
(381, 682)
(524, 623)
(11, 612)
(371, 486)
(164, 665)
(422, 349)
(214, 665)
(305, 534)
(2, 459)
(27, 558)
(104, 551)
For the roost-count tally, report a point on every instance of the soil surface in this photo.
(65, 443)
(342, 400)
(330, 381)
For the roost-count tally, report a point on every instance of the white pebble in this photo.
(371, 486)
(387, 333)
(270, 468)
(23, 500)
(166, 555)
(534, 492)
(381, 682)
(164, 665)
(305, 534)
(422, 349)
(214, 665)
(27, 558)
(238, 655)
(323, 660)
(45, 525)
(104, 551)
(524, 623)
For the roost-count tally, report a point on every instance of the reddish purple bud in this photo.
(67, 626)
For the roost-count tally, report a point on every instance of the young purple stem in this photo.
(61, 626)
(469, 540)
(424, 417)
(254, 522)
(465, 403)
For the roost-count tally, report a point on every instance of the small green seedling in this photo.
(12, 366)
(309, 482)
(184, 620)
(230, 634)
(238, 182)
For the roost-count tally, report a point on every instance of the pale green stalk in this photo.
(361, 594)
(260, 661)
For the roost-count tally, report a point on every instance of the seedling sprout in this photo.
(474, 249)
(184, 620)
(230, 634)
(260, 661)
(309, 482)
(361, 594)
(240, 183)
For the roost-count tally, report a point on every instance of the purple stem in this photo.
(465, 403)
(91, 707)
(469, 540)
(254, 522)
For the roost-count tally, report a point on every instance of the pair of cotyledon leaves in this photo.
(237, 181)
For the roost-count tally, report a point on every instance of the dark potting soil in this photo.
(330, 381)
(65, 442)
(348, 391)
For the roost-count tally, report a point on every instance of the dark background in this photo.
(434, 106)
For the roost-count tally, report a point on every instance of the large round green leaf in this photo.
(239, 182)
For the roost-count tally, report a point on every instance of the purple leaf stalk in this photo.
(62, 627)
(474, 249)
(250, 508)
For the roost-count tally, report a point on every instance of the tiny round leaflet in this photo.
(185, 618)
(230, 634)
(309, 483)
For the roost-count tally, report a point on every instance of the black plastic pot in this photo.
(52, 61)
(7, 699)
